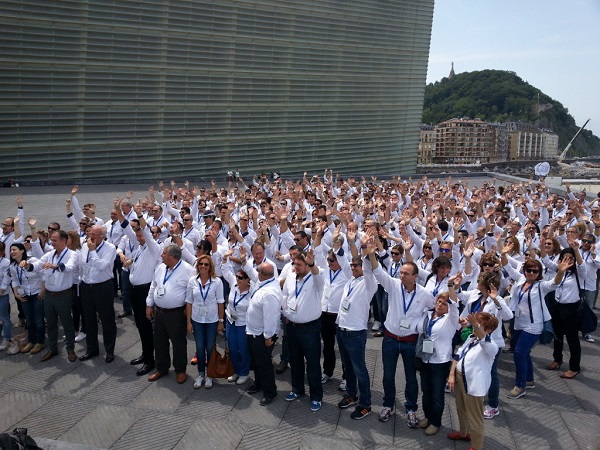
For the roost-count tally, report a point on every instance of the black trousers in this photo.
(98, 299)
(328, 331)
(564, 322)
(170, 326)
(260, 358)
(117, 269)
(144, 326)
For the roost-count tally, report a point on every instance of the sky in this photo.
(554, 45)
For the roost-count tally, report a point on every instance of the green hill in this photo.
(500, 96)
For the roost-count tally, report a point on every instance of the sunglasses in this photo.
(52, 229)
(331, 260)
(444, 250)
(353, 265)
(187, 220)
(532, 271)
(203, 264)
(587, 241)
(395, 253)
(487, 264)
(427, 247)
(239, 277)
(527, 254)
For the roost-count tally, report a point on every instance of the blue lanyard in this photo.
(422, 263)
(406, 308)
(139, 253)
(466, 349)
(351, 287)
(60, 258)
(20, 271)
(298, 291)
(476, 305)
(332, 279)
(395, 271)
(236, 301)
(131, 246)
(6, 237)
(586, 256)
(168, 275)
(87, 259)
(157, 221)
(436, 287)
(432, 323)
(567, 275)
(261, 286)
(522, 292)
(203, 294)
(186, 234)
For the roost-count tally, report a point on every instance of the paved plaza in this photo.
(97, 405)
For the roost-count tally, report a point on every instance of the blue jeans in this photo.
(238, 348)
(433, 383)
(494, 390)
(304, 342)
(34, 312)
(522, 357)
(352, 353)
(391, 350)
(205, 335)
(5, 317)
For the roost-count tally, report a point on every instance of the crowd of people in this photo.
(450, 276)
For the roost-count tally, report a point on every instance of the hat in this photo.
(209, 213)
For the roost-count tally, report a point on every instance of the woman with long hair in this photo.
(204, 312)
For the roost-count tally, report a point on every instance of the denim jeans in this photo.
(524, 342)
(205, 335)
(433, 383)
(352, 353)
(391, 350)
(5, 317)
(494, 390)
(304, 342)
(238, 348)
(34, 312)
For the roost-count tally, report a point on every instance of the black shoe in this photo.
(146, 368)
(136, 361)
(253, 389)
(109, 358)
(266, 400)
(124, 314)
(281, 367)
(88, 356)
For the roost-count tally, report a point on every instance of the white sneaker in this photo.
(233, 378)
(588, 338)
(198, 382)
(208, 383)
(3, 344)
(489, 412)
(242, 379)
(325, 378)
(376, 326)
(342, 385)
(80, 337)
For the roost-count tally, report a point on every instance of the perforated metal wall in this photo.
(134, 89)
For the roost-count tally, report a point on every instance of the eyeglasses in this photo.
(187, 220)
(587, 241)
(444, 250)
(487, 264)
(568, 214)
(331, 260)
(296, 239)
(80, 223)
(532, 271)
(353, 265)
(239, 277)
(395, 253)
(427, 247)
(548, 243)
(52, 229)
(201, 264)
(527, 254)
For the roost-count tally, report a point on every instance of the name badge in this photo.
(202, 310)
(86, 271)
(51, 278)
(428, 346)
(20, 291)
(293, 304)
(327, 293)
(345, 305)
(160, 291)
(405, 323)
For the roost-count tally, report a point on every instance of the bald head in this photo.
(265, 271)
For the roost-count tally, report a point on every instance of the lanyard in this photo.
(406, 308)
(567, 275)
(432, 323)
(351, 287)
(157, 221)
(437, 286)
(168, 275)
(131, 246)
(466, 350)
(203, 294)
(522, 292)
(87, 259)
(422, 262)
(6, 237)
(476, 305)
(586, 256)
(298, 291)
(261, 286)
(112, 226)
(186, 234)
(60, 258)
(139, 253)
(395, 272)
(20, 271)
(332, 279)
(236, 301)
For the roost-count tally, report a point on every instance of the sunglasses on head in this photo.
(536, 271)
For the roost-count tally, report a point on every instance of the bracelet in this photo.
(311, 265)
(451, 285)
(139, 217)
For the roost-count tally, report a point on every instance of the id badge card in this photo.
(405, 324)
(345, 305)
(20, 291)
(86, 271)
(51, 278)
(160, 291)
(428, 346)
(233, 315)
(293, 304)
(202, 311)
(327, 293)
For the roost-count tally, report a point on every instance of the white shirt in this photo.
(405, 309)
(237, 305)
(302, 298)
(568, 291)
(169, 287)
(97, 265)
(114, 232)
(264, 309)
(145, 259)
(356, 299)
(25, 282)
(531, 319)
(61, 279)
(475, 364)
(204, 299)
(442, 331)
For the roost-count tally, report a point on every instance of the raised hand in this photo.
(74, 190)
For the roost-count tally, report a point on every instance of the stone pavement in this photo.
(97, 405)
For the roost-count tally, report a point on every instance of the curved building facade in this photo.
(122, 89)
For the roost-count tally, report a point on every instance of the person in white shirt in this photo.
(302, 293)
(406, 301)
(204, 311)
(97, 260)
(167, 296)
(262, 328)
(352, 327)
(470, 377)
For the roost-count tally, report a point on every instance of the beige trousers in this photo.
(470, 413)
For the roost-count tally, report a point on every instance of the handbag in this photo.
(586, 318)
(219, 366)
(547, 336)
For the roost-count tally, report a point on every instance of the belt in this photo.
(98, 284)
(59, 292)
(302, 325)
(330, 313)
(168, 310)
(347, 330)
(409, 338)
